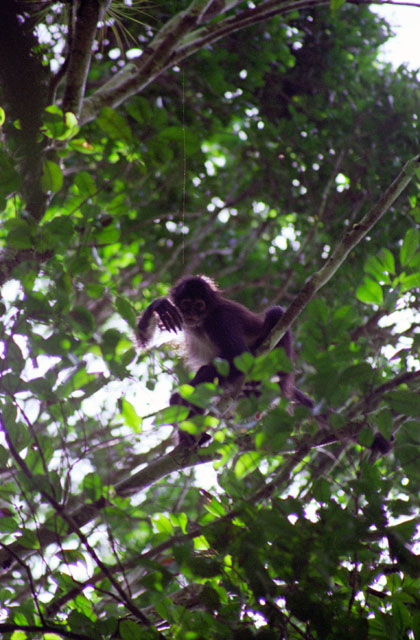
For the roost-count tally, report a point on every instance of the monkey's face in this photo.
(193, 311)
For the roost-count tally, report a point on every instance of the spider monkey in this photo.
(214, 326)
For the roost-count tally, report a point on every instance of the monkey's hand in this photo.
(168, 317)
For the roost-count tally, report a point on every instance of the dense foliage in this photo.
(245, 141)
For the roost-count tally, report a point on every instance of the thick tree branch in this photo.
(88, 14)
(24, 87)
(135, 77)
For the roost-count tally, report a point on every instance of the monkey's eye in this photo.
(199, 306)
(185, 305)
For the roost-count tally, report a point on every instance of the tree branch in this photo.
(348, 241)
(88, 14)
(176, 460)
(136, 76)
(24, 85)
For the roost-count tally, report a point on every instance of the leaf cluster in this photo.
(245, 154)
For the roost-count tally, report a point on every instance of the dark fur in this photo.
(226, 329)
(223, 328)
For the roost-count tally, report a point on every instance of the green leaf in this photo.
(410, 282)
(180, 520)
(83, 319)
(130, 416)
(357, 374)
(387, 259)
(52, 177)
(82, 146)
(336, 4)
(60, 226)
(85, 184)
(4, 453)
(409, 246)
(71, 556)
(130, 630)
(222, 366)
(244, 362)
(126, 310)
(200, 395)
(139, 109)
(37, 306)
(72, 127)
(58, 125)
(20, 235)
(405, 402)
(2, 117)
(114, 124)
(173, 414)
(92, 485)
(8, 524)
(54, 124)
(215, 507)
(268, 364)
(109, 235)
(246, 463)
(163, 524)
(374, 267)
(29, 540)
(370, 292)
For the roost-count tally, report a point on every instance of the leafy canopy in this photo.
(144, 141)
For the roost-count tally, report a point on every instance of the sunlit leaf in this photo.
(130, 416)
(247, 463)
(409, 282)
(370, 292)
(409, 245)
(52, 177)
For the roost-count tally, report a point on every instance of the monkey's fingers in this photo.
(168, 323)
(169, 315)
(171, 320)
(176, 319)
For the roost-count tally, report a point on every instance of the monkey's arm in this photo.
(160, 312)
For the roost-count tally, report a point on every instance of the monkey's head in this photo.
(194, 297)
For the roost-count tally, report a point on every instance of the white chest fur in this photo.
(199, 349)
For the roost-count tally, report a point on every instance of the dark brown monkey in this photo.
(214, 326)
